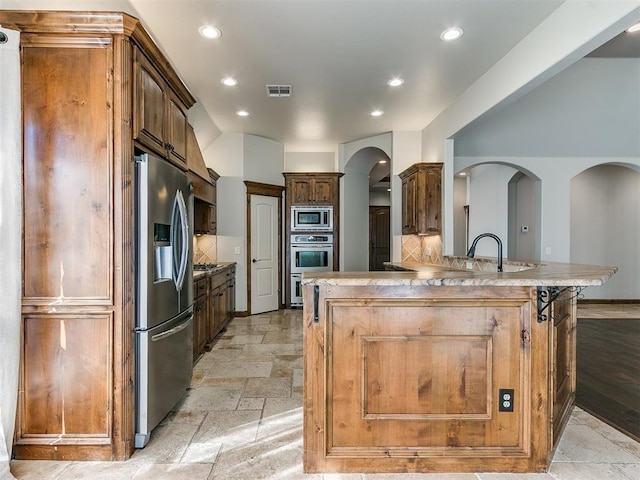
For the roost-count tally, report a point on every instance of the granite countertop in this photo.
(219, 266)
(409, 273)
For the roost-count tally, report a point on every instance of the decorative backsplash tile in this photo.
(428, 249)
(422, 249)
(205, 248)
(431, 247)
(411, 248)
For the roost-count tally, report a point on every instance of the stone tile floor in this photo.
(242, 419)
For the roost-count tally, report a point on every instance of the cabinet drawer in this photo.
(219, 279)
(200, 287)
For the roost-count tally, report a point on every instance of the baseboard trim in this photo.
(587, 301)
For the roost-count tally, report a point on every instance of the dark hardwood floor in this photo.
(608, 371)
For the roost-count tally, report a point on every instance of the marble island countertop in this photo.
(525, 274)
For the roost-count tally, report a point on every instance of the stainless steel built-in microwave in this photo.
(311, 219)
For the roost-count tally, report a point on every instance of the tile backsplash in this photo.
(422, 249)
(428, 249)
(205, 249)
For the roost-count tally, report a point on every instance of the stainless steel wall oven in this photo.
(309, 253)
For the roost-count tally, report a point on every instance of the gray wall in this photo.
(237, 157)
(585, 116)
(591, 109)
(523, 245)
(460, 199)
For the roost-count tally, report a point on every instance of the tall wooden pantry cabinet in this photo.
(94, 88)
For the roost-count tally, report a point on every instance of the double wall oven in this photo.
(309, 253)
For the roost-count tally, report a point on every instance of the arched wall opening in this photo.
(499, 198)
(605, 226)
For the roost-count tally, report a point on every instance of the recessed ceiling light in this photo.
(634, 28)
(388, 189)
(462, 174)
(395, 82)
(451, 34)
(382, 161)
(208, 31)
(229, 81)
(242, 113)
(376, 113)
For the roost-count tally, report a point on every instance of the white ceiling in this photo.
(337, 55)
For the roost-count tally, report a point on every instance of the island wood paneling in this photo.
(423, 376)
(406, 379)
(563, 360)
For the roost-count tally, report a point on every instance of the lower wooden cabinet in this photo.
(200, 315)
(213, 307)
(427, 379)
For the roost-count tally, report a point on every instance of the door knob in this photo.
(254, 261)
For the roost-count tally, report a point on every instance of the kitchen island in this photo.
(439, 369)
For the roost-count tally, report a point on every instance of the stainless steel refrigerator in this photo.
(164, 290)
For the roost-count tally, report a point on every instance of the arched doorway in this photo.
(366, 180)
(498, 198)
(605, 226)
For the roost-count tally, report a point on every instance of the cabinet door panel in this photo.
(150, 106)
(563, 374)
(323, 191)
(409, 201)
(66, 375)
(177, 123)
(433, 207)
(451, 374)
(421, 199)
(300, 192)
(67, 174)
(201, 325)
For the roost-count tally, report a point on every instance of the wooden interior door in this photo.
(379, 237)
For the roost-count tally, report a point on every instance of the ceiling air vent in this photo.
(279, 90)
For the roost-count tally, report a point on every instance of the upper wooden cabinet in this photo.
(96, 88)
(160, 118)
(421, 199)
(204, 218)
(204, 187)
(312, 188)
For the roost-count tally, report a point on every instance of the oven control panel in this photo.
(312, 239)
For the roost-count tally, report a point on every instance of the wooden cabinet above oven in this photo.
(312, 188)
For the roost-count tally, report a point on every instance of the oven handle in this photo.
(307, 245)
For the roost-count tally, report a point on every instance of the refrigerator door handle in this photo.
(173, 331)
(180, 226)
